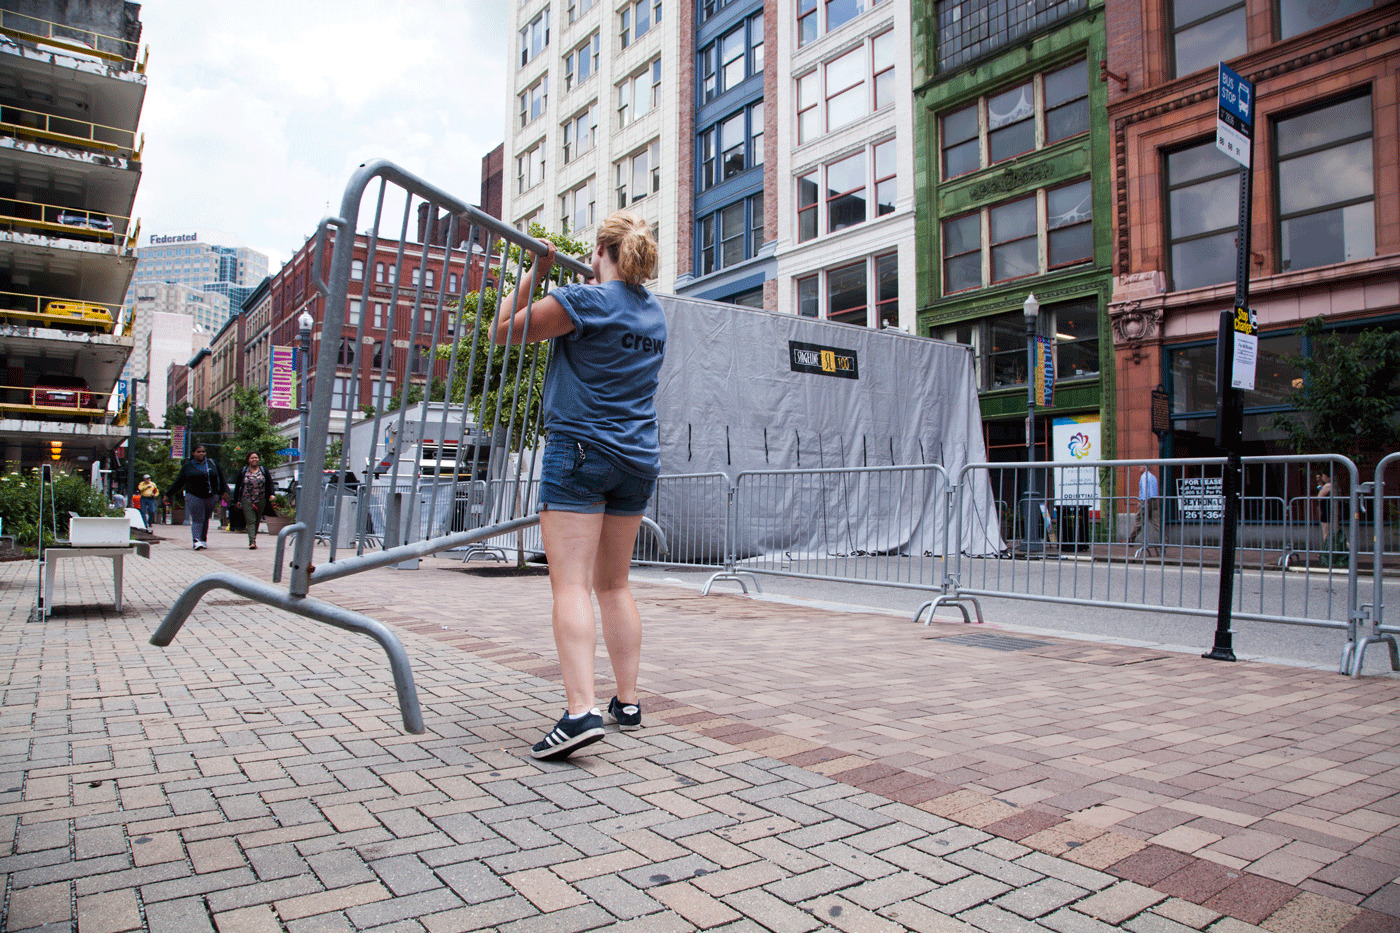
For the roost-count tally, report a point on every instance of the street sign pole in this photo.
(1237, 342)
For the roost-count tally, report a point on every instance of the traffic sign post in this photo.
(1237, 345)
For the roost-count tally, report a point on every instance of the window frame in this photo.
(625, 170)
(586, 51)
(812, 291)
(534, 37)
(813, 89)
(709, 256)
(1278, 160)
(569, 205)
(710, 157)
(1039, 117)
(570, 134)
(820, 209)
(987, 275)
(817, 14)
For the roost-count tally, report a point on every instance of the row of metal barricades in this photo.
(1314, 539)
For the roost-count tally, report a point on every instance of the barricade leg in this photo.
(312, 609)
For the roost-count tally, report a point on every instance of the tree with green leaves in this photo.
(524, 366)
(1348, 400)
(252, 430)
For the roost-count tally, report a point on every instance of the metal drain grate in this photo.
(996, 642)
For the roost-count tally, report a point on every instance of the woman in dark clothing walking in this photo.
(202, 482)
(252, 492)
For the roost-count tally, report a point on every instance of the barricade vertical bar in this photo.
(1376, 614)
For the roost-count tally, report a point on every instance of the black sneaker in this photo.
(627, 716)
(568, 736)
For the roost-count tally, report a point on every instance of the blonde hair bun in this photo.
(628, 240)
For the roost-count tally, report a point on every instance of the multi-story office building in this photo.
(72, 91)
(765, 141)
(596, 124)
(725, 231)
(1015, 199)
(226, 362)
(1326, 198)
(845, 162)
(392, 344)
(209, 281)
(170, 324)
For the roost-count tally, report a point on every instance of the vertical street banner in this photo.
(1044, 372)
(177, 442)
(282, 384)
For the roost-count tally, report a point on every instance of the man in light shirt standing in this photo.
(1149, 513)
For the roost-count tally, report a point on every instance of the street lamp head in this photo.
(305, 320)
(1031, 307)
(189, 412)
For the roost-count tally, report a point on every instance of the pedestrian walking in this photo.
(1149, 513)
(601, 460)
(252, 491)
(202, 483)
(150, 493)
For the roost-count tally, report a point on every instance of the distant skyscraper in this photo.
(206, 281)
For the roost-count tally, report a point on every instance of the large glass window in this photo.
(1008, 240)
(709, 8)
(582, 62)
(818, 17)
(1076, 339)
(1326, 185)
(639, 94)
(1016, 120)
(969, 29)
(534, 37)
(636, 20)
(847, 293)
(1013, 237)
(1203, 194)
(1299, 16)
(576, 207)
(529, 168)
(577, 8)
(840, 91)
(730, 235)
(1207, 32)
(534, 100)
(848, 183)
(1069, 218)
(725, 63)
(639, 175)
(731, 146)
(580, 134)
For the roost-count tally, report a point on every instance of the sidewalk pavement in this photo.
(799, 769)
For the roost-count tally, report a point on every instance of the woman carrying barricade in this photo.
(601, 460)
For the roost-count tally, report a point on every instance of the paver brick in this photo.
(778, 915)
(695, 905)
(1040, 898)
(891, 889)
(994, 919)
(489, 915)
(1123, 900)
(842, 914)
(617, 897)
(812, 884)
(181, 915)
(983, 863)
(294, 908)
(962, 894)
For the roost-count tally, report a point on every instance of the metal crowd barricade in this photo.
(693, 509)
(1385, 544)
(886, 526)
(1179, 572)
(411, 507)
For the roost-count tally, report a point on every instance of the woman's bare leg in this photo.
(622, 625)
(571, 546)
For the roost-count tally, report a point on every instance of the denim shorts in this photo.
(579, 478)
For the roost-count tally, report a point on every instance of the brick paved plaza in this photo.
(800, 769)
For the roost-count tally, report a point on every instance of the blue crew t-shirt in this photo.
(601, 385)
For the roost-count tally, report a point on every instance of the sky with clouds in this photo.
(258, 111)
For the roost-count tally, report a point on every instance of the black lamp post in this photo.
(189, 431)
(1034, 544)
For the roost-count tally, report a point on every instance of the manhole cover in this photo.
(996, 642)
